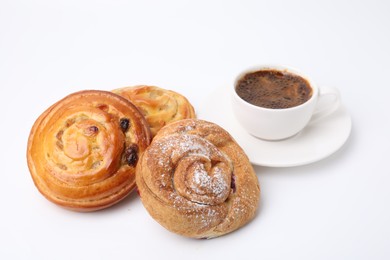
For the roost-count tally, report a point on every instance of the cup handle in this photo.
(326, 107)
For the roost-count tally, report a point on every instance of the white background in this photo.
(338, 208)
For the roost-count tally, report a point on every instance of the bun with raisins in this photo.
(159, 106)
(83, 150)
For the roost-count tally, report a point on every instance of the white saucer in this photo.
(317, 141)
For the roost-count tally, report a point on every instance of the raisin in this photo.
(103, 107)
(131, 155)
(70, 122)
(59, 134)
(60, 145)
(62, 166)
(124, 123)
(233, 183)
(92, 130)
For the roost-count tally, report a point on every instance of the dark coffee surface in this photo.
(274, 89)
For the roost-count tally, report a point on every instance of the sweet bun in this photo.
(158, 105)
(196, 181)
(82, 151)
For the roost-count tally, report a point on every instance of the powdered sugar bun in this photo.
(196, 181)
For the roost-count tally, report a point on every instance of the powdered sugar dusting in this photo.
(204, 216)
(203, 181)
(169, 150)
(194, 177)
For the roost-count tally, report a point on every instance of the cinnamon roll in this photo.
(158, 105)
(82, 151)
(196, 181)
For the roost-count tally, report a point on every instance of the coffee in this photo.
(273, 89)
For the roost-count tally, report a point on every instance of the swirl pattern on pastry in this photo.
(196, 181)
(82, 151)
(158, 105)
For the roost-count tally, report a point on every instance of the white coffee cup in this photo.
(282, 123)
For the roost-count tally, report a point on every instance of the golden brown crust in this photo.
(196, 181)
(82, 151)
(158, 105)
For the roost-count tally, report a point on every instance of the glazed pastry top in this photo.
(83, 150)
(158, 105)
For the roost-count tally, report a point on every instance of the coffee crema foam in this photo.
(274, 89)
